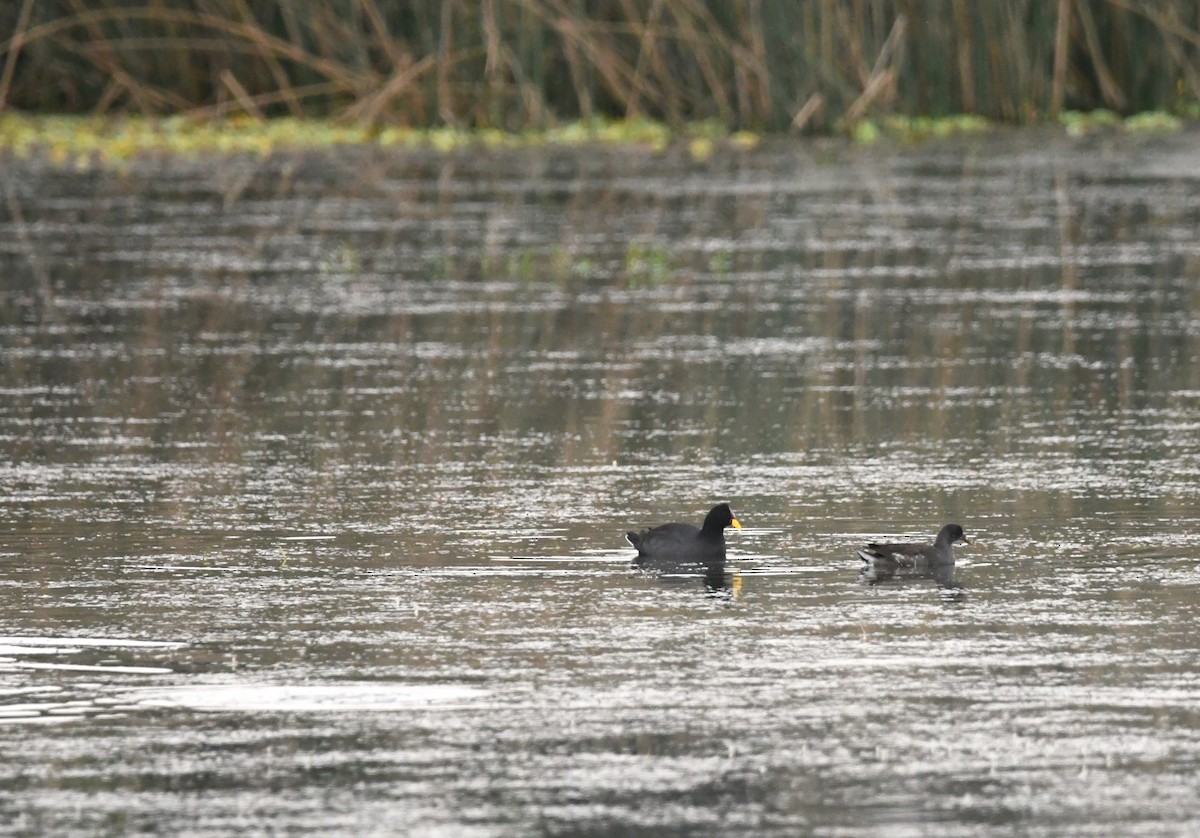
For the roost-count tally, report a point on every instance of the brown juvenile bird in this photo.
(936, 559)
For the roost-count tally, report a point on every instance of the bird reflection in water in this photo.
(722, 584)
(718, 581)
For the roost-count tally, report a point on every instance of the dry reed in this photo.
(519, 64)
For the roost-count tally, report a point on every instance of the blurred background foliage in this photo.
(763, 65)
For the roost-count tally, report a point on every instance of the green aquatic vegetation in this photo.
(646, 266)
(1075, 123)
(582, 266)
(84, 141)
(701, 147)
(1078, 123)
(1153, 121)
(341, 260)
(521, 265)
(917, 128)
(865, 132)
(721, 263)
(925, 127)
(565, 263)
(559, 264)
(745, 139)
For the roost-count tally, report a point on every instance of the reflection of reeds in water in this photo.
(514, 64)
(590, 316)
(361, 326)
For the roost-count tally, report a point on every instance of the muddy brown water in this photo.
(314, 472)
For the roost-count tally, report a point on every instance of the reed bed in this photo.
(514, 65)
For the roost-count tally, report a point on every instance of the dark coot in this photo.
(684, 546)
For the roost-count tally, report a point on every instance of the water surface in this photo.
(316, 471)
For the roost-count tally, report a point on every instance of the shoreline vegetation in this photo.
(107, 79)
(82, 141)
